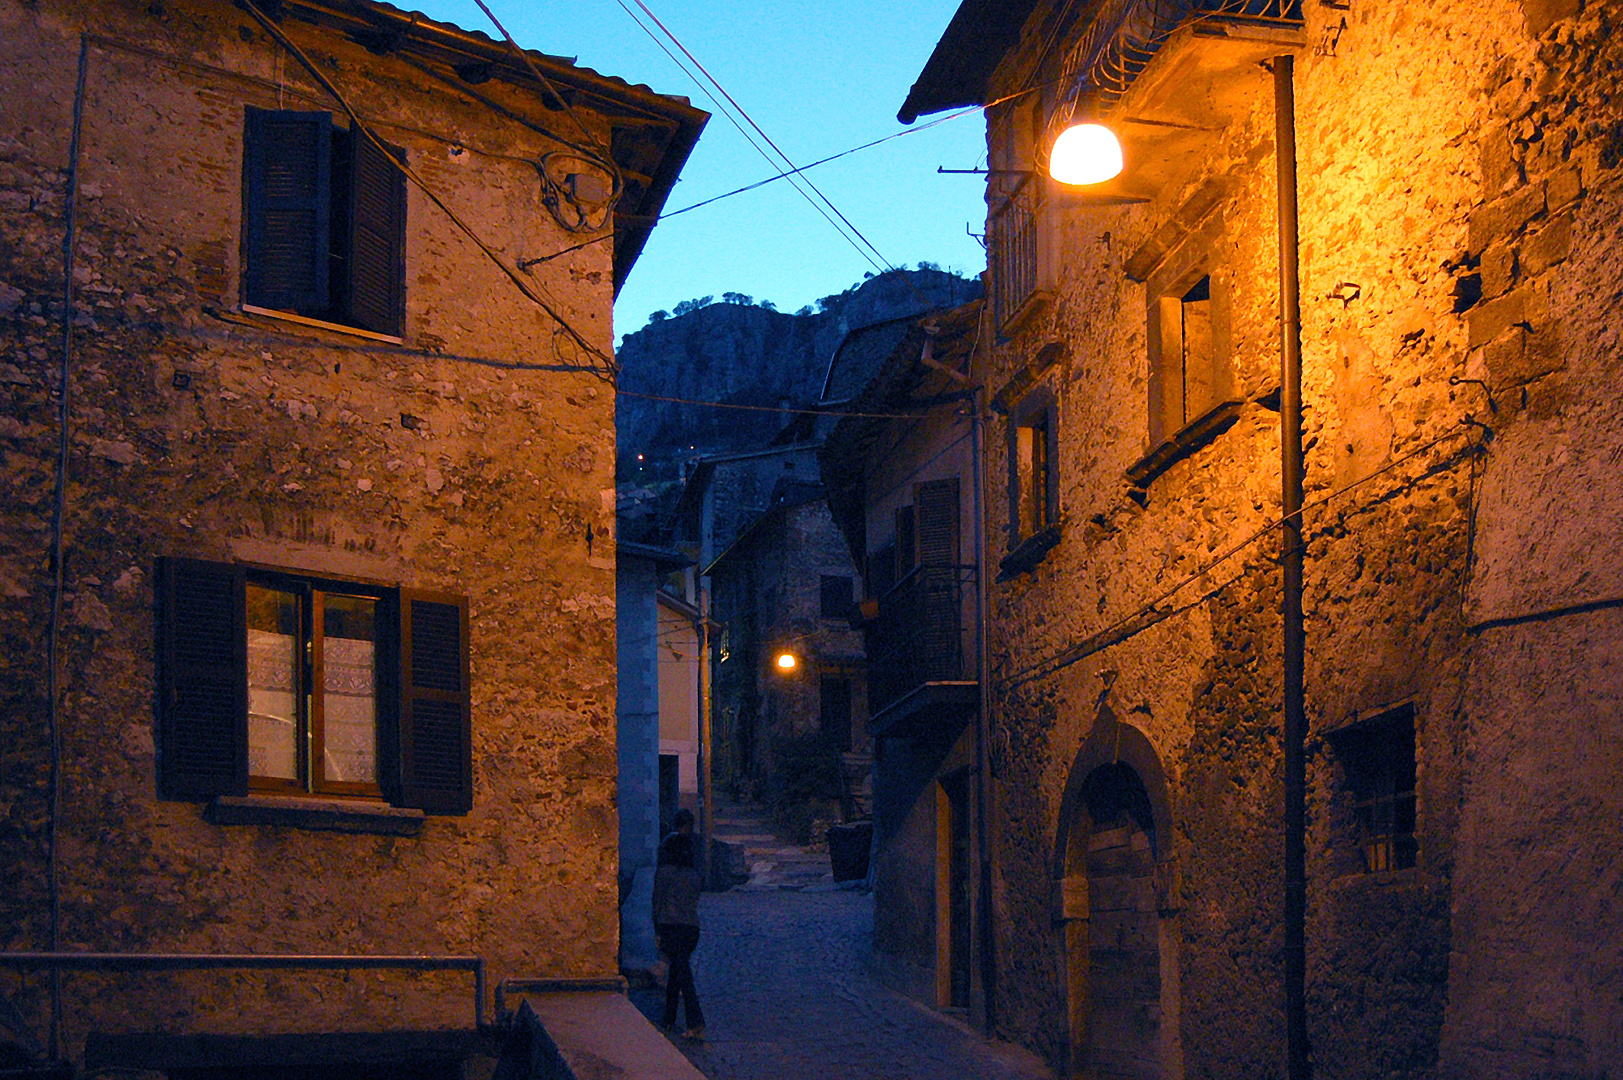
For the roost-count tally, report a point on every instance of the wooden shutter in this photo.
(436, 733)
(937, 515)
(202, 713)
(287, 166)
(906, 542)
(375, 256)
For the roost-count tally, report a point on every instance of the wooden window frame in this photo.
(353, 200)
(422, 667)
(1170, 409)
(1037, 413)
(310, 682)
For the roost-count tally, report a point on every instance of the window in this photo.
(835, 600)
(834, 712)
(1033, 469)
(281, 683)
(324, 222)
(907, 542)
(1188, 362)
(1378, 758)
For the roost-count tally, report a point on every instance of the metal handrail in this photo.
(918, 636)
(123, 961)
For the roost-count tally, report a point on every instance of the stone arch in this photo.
(1116, 889)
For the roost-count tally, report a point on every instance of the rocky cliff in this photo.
(739, 353)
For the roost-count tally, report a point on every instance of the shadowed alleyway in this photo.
(786, 994)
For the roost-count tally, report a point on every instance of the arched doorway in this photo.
(1117, 885)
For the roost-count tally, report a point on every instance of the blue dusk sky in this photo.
(819, 77)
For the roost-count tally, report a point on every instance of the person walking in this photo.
(676, 920)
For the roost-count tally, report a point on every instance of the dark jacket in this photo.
(676, 882)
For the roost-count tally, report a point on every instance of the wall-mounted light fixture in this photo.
(786, 662)
(1085, 154)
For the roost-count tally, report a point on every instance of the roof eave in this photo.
(961, 66)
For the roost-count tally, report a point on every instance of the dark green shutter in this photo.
(375, 257)
(287, 181)
(937, 515)
(939, 600)
(202, 714)
(436, 734)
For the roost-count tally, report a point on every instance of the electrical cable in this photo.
(1075, 654)
(769, 408)
(795, 180)
(529, 62)
(59, 499)
(604, 159)
(608, 368)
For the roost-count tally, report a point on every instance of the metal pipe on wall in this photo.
(1291, 468)
(983, 719)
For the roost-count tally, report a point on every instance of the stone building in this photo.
(308, 537)
(902, 470)
(787, 667)
(1458, 193)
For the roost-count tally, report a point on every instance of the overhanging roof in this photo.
(653, 133)
(956, 74)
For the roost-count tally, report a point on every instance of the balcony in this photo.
(922, 652)
(1012, 239)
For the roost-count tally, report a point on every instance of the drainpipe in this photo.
(983, 720)
(1291, 468)
(707, 806)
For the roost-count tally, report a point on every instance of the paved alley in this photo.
(786, 995)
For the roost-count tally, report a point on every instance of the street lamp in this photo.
(786, 662)
(1085, 154)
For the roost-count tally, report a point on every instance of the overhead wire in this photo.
(854, 237)
(770, 408)
(605, 368)
(1075, 654)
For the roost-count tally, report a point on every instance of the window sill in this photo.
(1198, 433)
(316, 814)
(321, 324)
(1033, 550)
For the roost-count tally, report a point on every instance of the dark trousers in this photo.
(678, 942)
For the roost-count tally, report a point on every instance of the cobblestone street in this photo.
(787, 996)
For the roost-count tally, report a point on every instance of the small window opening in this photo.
(1031, 445)
(1378, 758)
(835, 599)
(1197, 358)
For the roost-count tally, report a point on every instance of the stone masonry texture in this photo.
(453, 461)
(1460, 167)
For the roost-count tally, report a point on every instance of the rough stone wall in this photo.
(768, 593)
(1537, 960)
(637, 708)
(1441, 149)
(450, 462)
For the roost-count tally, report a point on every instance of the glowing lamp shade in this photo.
(786, 661)
(1085, 154)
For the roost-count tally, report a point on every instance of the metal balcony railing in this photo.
(1012, 235)
(921, 634)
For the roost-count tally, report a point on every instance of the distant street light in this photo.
(786, 661)
(1085, 154)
